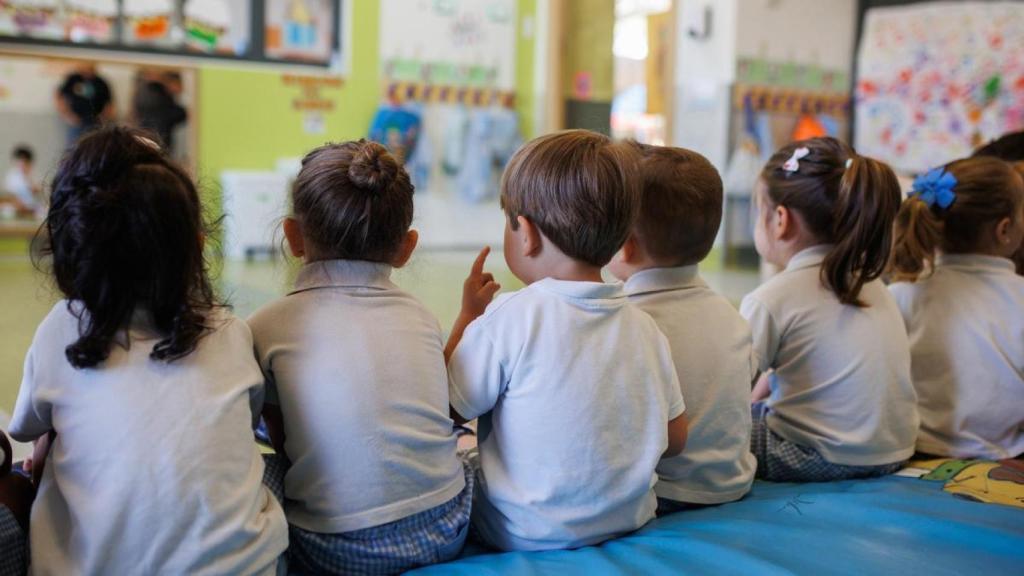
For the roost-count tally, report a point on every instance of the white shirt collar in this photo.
(976, 263)
(582, 290)
(343, 274)
(664, 279)
(809, 257)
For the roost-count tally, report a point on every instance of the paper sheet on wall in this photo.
(937, 80)
(449, 42)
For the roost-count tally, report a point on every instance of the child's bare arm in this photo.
(477, 292)
(761, 389)
(677, 432)
(275, 426)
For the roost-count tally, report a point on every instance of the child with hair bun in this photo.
(956, 236)
(357, 390)
(840, 403)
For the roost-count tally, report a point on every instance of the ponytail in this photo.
(918, 234)
(846, 200)
(868, 200)
(980, 191)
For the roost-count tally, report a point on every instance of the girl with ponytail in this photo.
(140, 383)
(357, 390)
(963, 304)
(826, 332)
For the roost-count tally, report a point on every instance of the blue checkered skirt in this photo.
(780, 460)
(432, 536)
(13, 545)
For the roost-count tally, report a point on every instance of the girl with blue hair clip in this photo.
(961, 301)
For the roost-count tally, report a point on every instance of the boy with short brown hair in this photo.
(681, 210)
(574, 387)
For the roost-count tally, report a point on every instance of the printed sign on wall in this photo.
(465, 43)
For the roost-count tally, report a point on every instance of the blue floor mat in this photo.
(885, 526)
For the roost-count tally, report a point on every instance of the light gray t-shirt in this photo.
(357, 368)
(575, 388)
(712, 353)
(966, 326)
(841, 381)
(154, 469)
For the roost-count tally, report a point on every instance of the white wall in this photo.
(705, 70)
(813, 32)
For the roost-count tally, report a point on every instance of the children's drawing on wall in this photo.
(299, 30)
(148, 21)
(937, 81)
(217, 26)
(449, 42)
(90, 20)
(33, 18)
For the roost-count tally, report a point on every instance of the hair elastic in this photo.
(935, 188)
(793, 164)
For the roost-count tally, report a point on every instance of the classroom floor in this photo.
(435, 277)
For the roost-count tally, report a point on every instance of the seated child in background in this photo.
(357, 391)
(964, 307)
(680, 212)
(575, 389)
(20, 182)
(148, 383)
(1009, 147)
(841, 404)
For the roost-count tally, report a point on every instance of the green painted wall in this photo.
(525, 100)
(246, 120)
(588, 46)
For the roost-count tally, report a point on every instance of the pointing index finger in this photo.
(478, 264)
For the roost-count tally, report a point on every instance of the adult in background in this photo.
(84, 101)
(155, 106)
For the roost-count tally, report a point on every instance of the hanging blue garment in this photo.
(397, 128)
(475, 181)
(491, 138)
(505, 136)
(456, 125)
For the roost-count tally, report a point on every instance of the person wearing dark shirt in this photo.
(84, 100)
(155, 105)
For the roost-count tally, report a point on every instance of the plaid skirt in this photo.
(13, 545)
(429, 537)
(780, 460)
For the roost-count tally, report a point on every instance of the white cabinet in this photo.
(254, 204)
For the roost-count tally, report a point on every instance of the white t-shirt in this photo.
(841, 381)
(357, 368)
(711, 349)
(575, 388)
(966, 326)
(154, 469)
(18, 184)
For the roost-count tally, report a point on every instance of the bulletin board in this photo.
(459, 43)
(306, 32)
(937, 80)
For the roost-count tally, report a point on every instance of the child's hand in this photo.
(761, 390)
(479, 289)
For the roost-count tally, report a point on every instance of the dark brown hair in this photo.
(125, 230)
(680, 204)
(578, 188)
(851, 207)
(1009, 147)
(1018, 258)
(987, 190)
(354, 201)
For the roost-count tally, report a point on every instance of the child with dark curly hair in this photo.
(142, 384)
